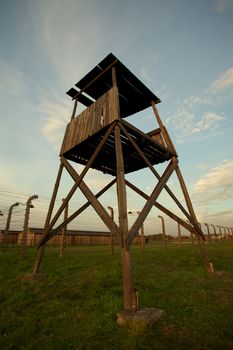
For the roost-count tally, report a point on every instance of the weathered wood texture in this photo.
(100, 114)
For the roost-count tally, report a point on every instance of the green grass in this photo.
(76, 306)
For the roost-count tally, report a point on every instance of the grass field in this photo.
(76, 306)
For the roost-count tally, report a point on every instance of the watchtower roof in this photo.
(134, 96)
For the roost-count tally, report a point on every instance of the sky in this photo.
(182, 50)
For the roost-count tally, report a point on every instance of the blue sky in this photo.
(182, 50)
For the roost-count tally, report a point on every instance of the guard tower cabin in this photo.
(111, 93)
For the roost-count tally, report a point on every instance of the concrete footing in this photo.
(145, 316)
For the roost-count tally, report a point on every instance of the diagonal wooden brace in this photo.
(149, 204)
(162, 208)
(103, 214)
(75, 214)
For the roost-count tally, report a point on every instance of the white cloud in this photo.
(209, 121)
(56, 118)
(223, 5)
(62, 38)
(187, 124)
(12, 80)
(216, 185)
(225, 81)
(202, 166)
(193, 117)
(95, 180)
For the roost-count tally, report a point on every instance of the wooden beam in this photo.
(193, 218)
(207, 264)
(165, 134)
(41, 248)
(114, 82)
(64, 231)
(103, 214)
(74, 109)
(147, 207)
(129, 295)
(162, 208)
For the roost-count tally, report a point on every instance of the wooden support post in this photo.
(215, 233)
(179, 234)
(142, 237)
(208, 231)
(75, 108)
(64, 230)
(114, 82)
(192, 234)
(207, 264)
(128, 290)
(5, 236)
(41, 249)
(22, 248)
(111, 235)
(163, 233)
(220, 232)
(163, 129)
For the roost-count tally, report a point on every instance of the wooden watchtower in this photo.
(101, 138)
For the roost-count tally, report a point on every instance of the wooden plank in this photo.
(147, 207)
(114, 82)
(64, 142)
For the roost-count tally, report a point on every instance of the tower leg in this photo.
(39, 257)
(207, 264)
(41, 248)
(128, 291)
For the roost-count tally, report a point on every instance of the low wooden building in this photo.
(73, 237)
(12, 236)
(76, 237)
